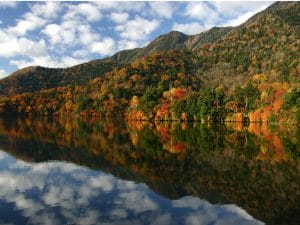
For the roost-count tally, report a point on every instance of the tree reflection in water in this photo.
(254, 167)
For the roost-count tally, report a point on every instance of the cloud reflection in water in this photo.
(64, 193)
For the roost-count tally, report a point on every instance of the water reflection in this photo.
(64, 193)
(256, 168)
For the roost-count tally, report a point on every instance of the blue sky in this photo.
(61, 34)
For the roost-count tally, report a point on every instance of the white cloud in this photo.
(47, 61)
(239, 20)
(137, 29)
(71, 33)
(32, 49)
(86, 36)
(138, 201)
(236, 8)
(87, 10)
(64, 33)
(22, 46)
(187, 202)
(6, 4)
(188, 28)
(29, 23)
(106, 5)
(3, 74)
(90, 217)
(243, 17)
(52, 31)
(164, 219)
(127, 44)
(105, 47)
(103, 182)
(69, 61)
(81, 53)
(223, 13)
(47, 10)
(118, 213)
(124, 6)
(162, 9)
(119, 17)
(20, 63)
(203, 12)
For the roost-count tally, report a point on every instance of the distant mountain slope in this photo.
(173, 40)
(268, 43)
(32, 79)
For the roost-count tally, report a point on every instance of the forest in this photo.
(250, 74)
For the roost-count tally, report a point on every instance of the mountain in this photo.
(174, 40)
(246, 73)
(32, 79)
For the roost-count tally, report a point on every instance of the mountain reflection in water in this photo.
(64, 193)
(236, 171)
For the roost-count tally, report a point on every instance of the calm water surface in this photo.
(111, 172)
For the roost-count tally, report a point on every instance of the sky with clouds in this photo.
(62, 34)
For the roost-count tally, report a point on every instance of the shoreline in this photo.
(245, 123)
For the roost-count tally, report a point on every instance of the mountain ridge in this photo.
(247, 73)
(179, 40)
(161, 43)
(120, 58)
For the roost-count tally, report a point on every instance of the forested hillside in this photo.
(246, 73)
(32, 79)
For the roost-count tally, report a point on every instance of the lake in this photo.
(95, 171)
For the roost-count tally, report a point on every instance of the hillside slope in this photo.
(249, 74)
(35, 78)
(173, 40)
(32, 79)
